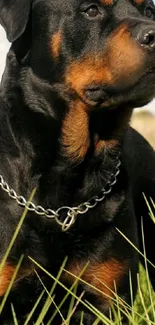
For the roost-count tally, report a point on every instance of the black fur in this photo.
(34, 103)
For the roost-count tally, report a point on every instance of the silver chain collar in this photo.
(70, 212)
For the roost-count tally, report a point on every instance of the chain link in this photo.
(71, 213)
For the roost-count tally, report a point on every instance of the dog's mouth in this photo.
(100, 84)
(139, 94)
(96, 94)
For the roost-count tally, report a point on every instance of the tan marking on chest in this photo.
(75, 131)
(56, 44)
(109, 144)
(75, 134)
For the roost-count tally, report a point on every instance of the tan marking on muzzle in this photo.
(119, 65)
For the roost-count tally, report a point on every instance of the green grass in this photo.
(142, 311)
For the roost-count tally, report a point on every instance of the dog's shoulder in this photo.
(139, 156)
(136, 144)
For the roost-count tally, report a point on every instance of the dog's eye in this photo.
(149, 12)
(92, 12)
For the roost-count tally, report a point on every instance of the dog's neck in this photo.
(68, 155)
(64, 141)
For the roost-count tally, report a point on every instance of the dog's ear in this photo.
(14, 16)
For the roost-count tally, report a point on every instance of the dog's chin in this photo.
(137, 96)
(114, 102)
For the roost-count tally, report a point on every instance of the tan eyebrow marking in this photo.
(108, 2)
(139, 2)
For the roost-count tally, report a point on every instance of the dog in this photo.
(74, 73)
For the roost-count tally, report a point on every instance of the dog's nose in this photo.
(95, 94)
(146, 37)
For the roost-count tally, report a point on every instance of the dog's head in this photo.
(100, 49)
(99, 53)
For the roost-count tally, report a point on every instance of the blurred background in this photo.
(143, 119)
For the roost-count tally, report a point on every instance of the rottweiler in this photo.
(74, 73)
